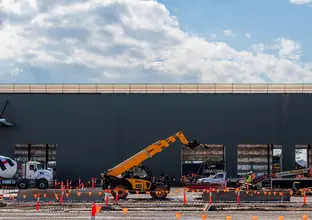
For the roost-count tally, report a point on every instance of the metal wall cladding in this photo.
(94, 132)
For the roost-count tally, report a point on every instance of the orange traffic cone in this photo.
(93, 211)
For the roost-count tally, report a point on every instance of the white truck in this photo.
(218, 179)
(33, 174)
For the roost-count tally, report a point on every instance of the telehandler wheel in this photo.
(159, 192)
(122, 192)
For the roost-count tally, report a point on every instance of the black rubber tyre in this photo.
(159, 192)
(42, 184)
(122, 191)
(23, 185)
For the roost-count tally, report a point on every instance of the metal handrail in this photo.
(156, 88)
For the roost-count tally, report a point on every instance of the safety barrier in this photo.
(65, 192)
(248, 196)
(209, 195)
(156, 88)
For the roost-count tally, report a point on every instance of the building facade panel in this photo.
(94, 132)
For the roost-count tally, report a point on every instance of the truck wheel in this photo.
(122, 192)
(42, 184)
(22, 185)
(159, 192)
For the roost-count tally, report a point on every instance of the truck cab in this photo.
(34, 172)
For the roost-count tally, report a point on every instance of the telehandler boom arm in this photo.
(150, 151)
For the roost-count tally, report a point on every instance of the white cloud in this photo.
(248, 35)
(24, 7)
(286, 48)
(301, 2)
(258, 48)
(289, 49)
(228, 33)
(128, 41)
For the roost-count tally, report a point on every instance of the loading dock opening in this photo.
(261, 159)
(303, 156)
(203, 162)
(277, 153)
(43, 153)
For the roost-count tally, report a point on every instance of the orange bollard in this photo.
(116, 196)
(254, 217)
(67, 184)
(280, 217)
(38, 202)
(93, 211)
(184, 196)
(228, 217)
(304, 196)
(62, 195)
(204, 217)
(106, 198)
(210, 195)
(238, 195)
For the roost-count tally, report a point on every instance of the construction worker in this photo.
(249, 179)
(253, 176)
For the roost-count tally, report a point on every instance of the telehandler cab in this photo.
(131, 177)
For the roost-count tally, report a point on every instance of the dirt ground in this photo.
(139, 206)
(45, 215)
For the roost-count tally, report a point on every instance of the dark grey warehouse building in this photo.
(86, 129)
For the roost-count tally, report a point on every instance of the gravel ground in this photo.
(143, 202)
(150, 215)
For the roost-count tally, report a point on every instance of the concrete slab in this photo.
(251, 196)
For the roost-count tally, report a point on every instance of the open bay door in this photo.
(202, 162)
(261, 159)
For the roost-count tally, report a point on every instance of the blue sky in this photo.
(265, 20)
(149, 41)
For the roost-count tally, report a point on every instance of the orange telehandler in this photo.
(131, 177)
